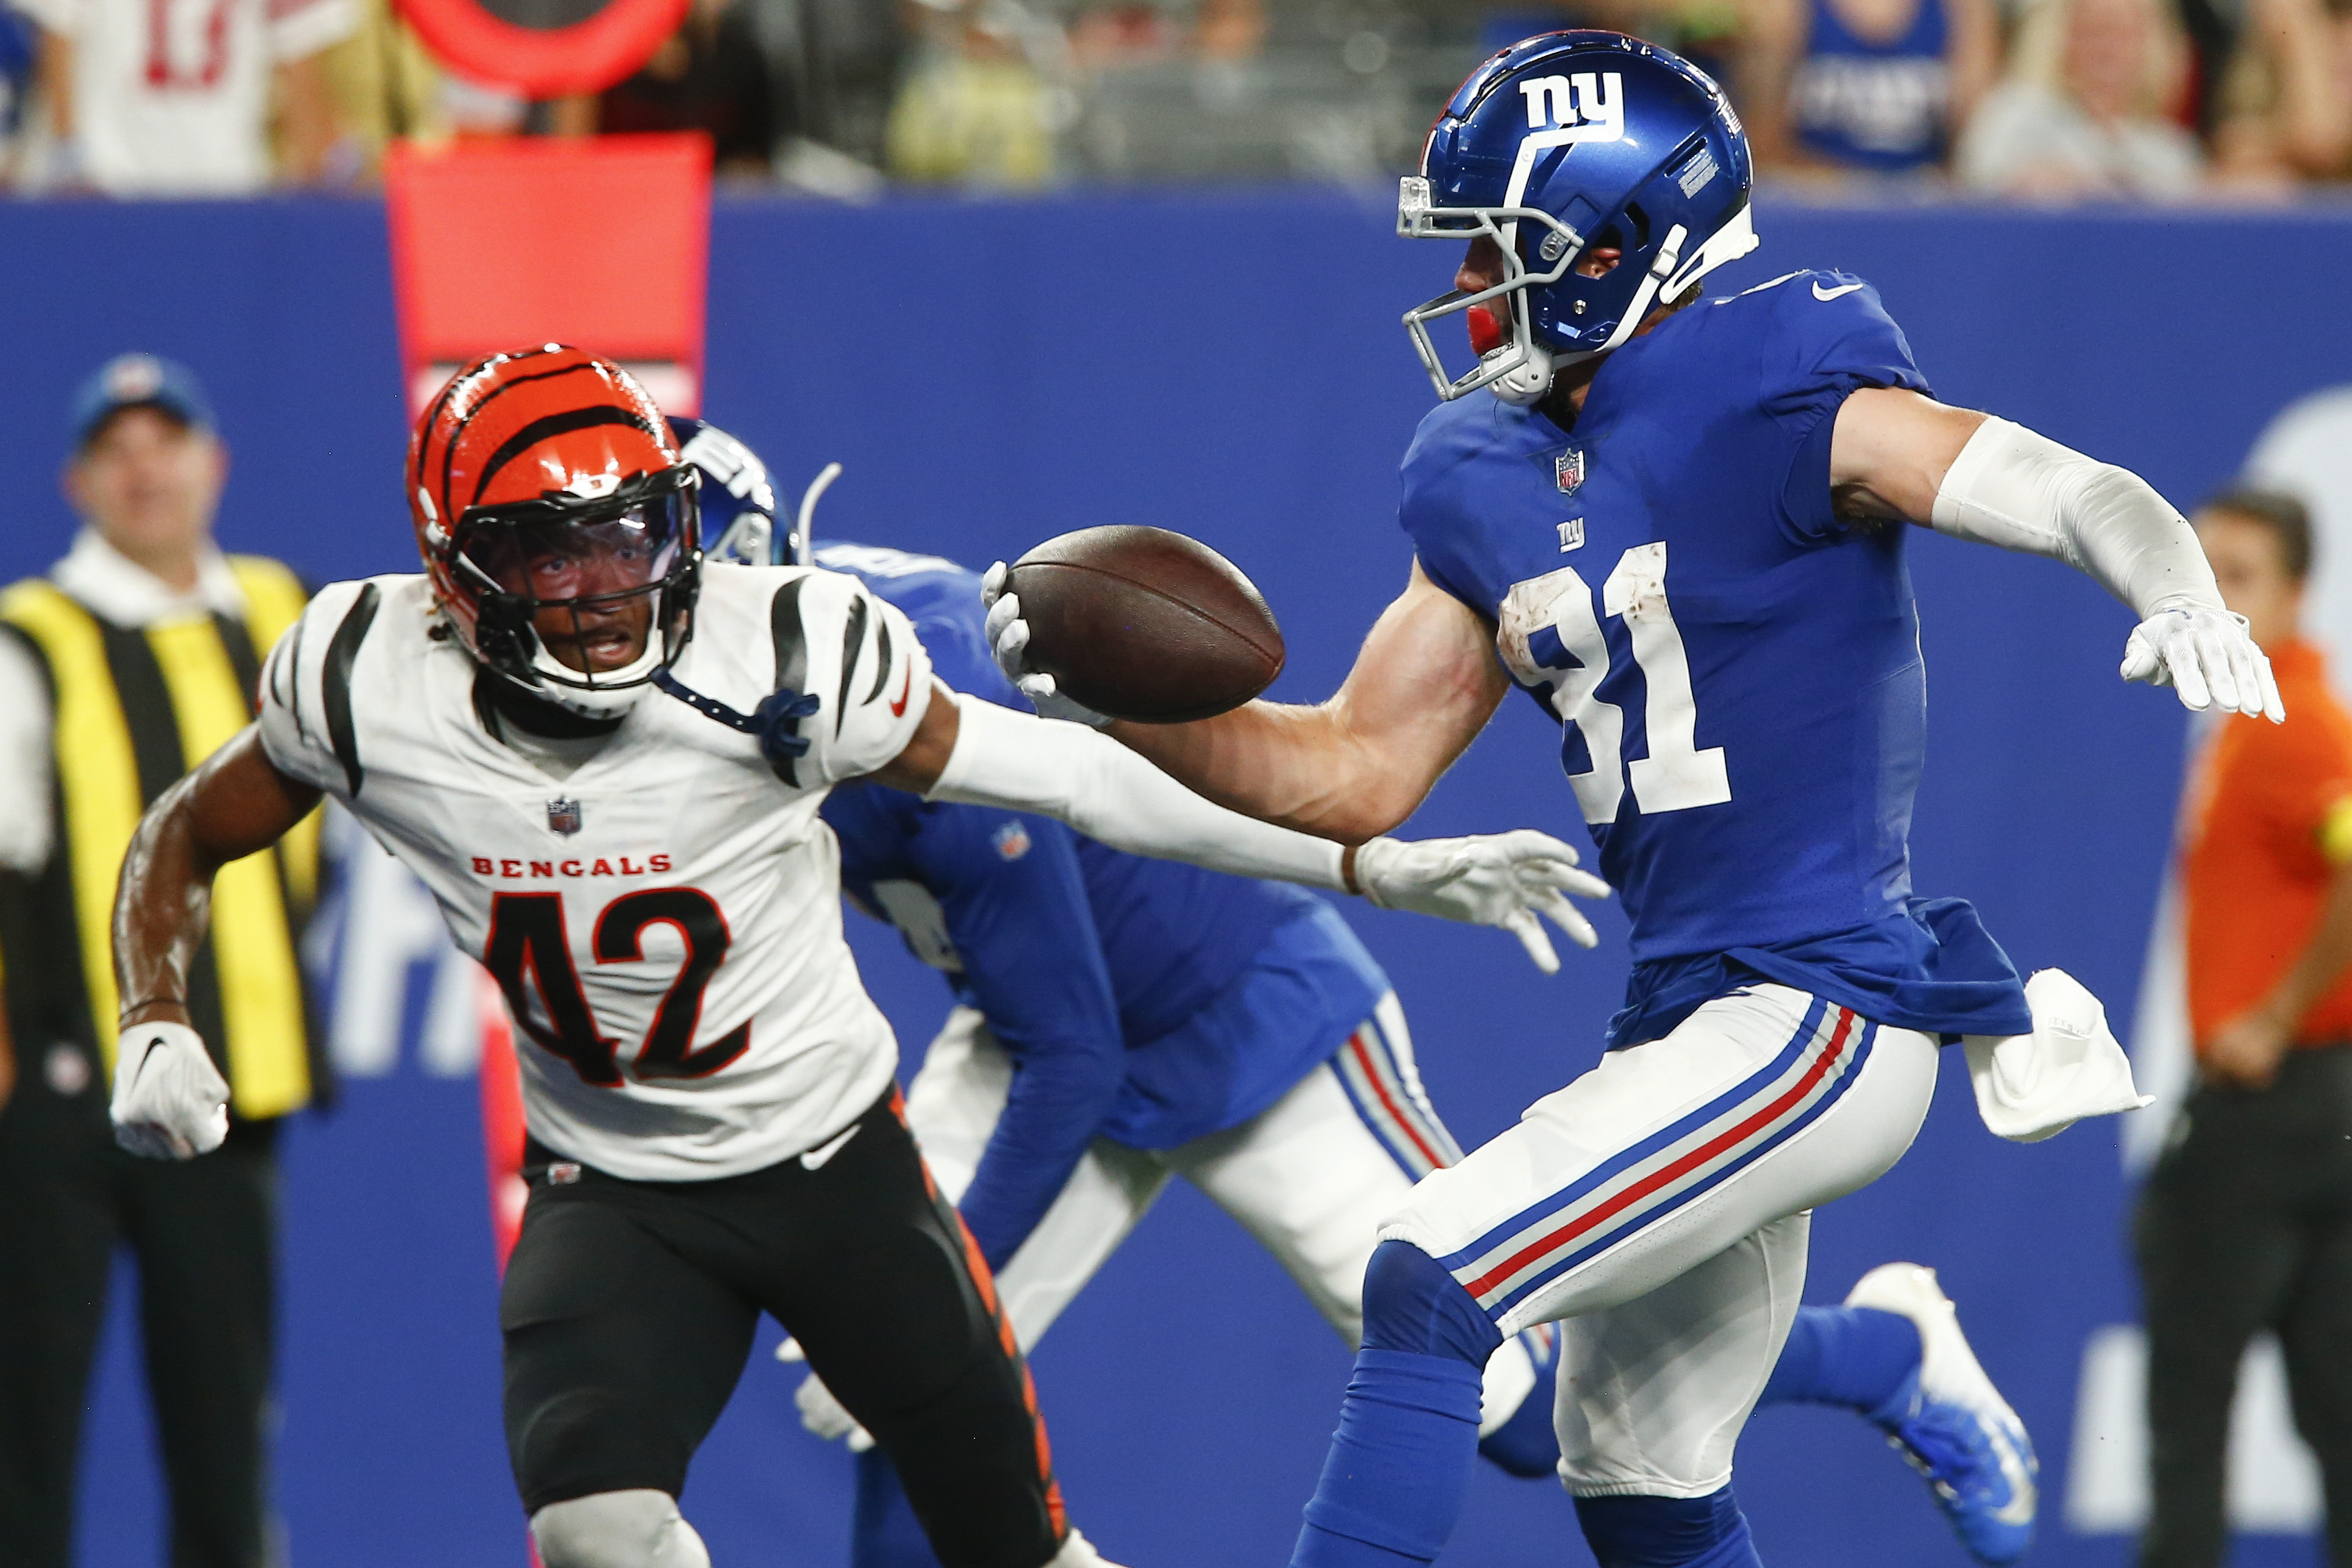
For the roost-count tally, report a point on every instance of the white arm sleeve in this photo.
(2021, 492)
(1109, 792)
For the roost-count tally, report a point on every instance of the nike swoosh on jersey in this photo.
(816, 1158)
(1825, 296)
(906, 690)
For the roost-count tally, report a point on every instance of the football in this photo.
(1142, 624)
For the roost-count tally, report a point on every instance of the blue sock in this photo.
(1667, 1532)
(1408, 1435)
(883, 1531)
(1858, 1357)
(1527, 1444)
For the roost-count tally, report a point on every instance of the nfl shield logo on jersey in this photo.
(1568, 469)
(563, 816)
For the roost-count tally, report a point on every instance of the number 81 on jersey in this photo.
(1550, 639)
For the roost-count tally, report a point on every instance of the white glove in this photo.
(821, 1413)
(1008, 639)
(1496, 880)
(2207, 656)
(169, 1102)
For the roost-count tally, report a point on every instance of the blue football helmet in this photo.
(1559, 144)
(739, 499)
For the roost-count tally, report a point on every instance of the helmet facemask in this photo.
(1520, 370)
(585, 561)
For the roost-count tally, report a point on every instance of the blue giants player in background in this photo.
(1121, 1020)
(1677, 525)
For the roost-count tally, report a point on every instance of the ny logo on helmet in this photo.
(1594, 106)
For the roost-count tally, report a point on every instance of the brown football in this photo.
(1142, 624)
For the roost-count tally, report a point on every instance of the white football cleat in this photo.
(1951, 1425)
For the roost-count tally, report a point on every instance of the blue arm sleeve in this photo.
(1016, 909)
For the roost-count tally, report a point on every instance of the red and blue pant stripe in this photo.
(1670, 1170)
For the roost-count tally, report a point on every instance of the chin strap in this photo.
(1525, 382)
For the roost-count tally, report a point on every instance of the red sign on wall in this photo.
(602, 242)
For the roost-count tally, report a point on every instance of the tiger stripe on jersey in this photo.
(1375, 1067)
(1664, 1173)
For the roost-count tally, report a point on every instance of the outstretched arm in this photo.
(1898, 455)
(1425, 682)
(968, 750)
(168, 1097)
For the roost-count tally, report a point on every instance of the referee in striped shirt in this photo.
(123, 668)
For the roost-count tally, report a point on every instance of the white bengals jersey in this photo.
(665, 919)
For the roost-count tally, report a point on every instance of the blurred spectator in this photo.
(711, 74)
(387, 85)
(173, 97)
(2083, 110)
(2281, 111)
(976, 109)
(1229, 29)
(1135, 32)
(2246, 1222)
(842, 60)
(1874, 86)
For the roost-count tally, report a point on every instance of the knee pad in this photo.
(1411, 1303)
(1666, 1532)
(640, 1528)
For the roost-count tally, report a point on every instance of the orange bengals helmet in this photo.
(547, 479)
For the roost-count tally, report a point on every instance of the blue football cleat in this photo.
(1951, 1425)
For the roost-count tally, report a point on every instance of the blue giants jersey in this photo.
(1736, 671)
(1143, 1001)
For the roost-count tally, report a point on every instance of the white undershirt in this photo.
(113, 586)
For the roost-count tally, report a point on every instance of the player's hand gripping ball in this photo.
(1130, 623)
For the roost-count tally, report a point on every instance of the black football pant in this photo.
(2246, 1225)
(202, 1232)
(629, 1308)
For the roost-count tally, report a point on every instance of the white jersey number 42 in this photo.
(1551, 635)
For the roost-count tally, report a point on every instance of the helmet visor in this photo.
(538, 554)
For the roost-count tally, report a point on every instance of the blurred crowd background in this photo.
(2031, 99)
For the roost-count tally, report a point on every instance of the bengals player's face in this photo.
(597, 621)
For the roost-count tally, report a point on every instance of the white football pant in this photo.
(1311, 1178)
(1659, 1206)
